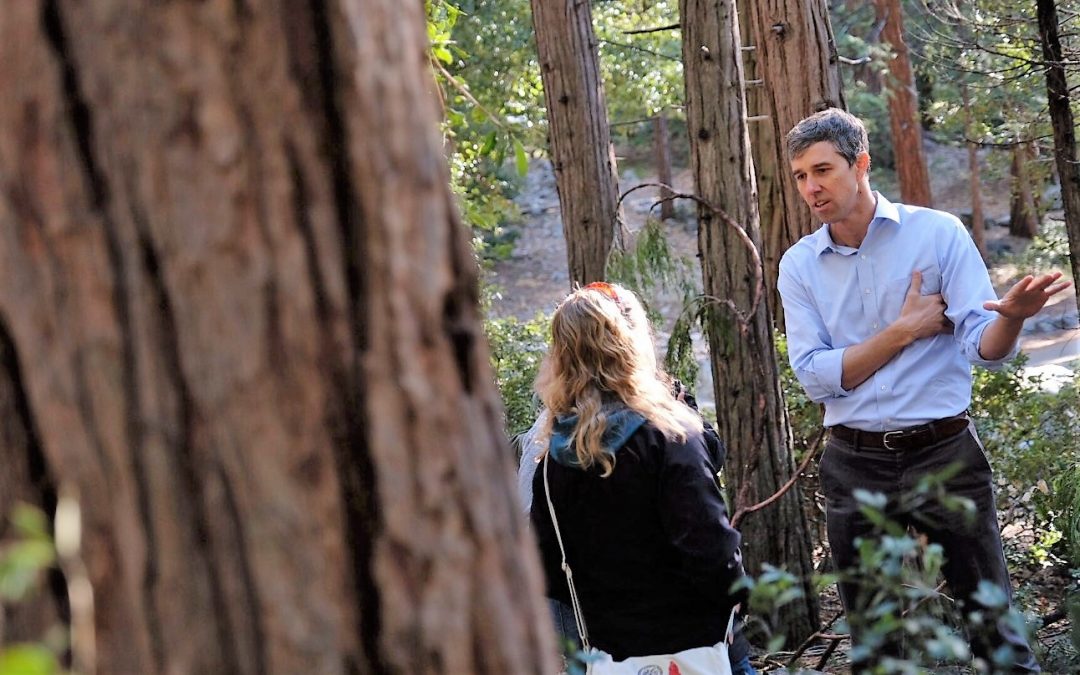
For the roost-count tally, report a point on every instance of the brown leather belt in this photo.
(902, 439)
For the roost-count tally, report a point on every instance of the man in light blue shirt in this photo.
(886, 308)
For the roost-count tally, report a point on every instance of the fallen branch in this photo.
(810, 640)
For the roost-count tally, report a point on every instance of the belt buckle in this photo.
(885, 438)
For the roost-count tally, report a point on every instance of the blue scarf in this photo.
(622, 422)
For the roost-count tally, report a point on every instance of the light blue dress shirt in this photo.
(836, 296)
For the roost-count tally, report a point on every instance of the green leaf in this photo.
(489, 144)
(30, 521)
(27, 659)
(990, 595)
(443, 54)
(21, 564)
(521, 158)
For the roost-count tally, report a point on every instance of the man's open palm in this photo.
(1028, 296)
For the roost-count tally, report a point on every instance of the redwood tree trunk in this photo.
(662, 148)
(578, 133)
(239, 318)
(978, 222)
(795, 58)
(904, 110)
(1023, 212)
(1061, 118)
(749, 402)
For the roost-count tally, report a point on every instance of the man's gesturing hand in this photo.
(1028, 296)
(923, 315)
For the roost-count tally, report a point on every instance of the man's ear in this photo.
(862, 163)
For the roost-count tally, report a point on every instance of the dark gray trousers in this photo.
(972, 548)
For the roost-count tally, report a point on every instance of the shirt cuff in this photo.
(828, 374)
(971, 350)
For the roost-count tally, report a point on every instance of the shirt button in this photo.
(875, 325)
(866, 290)
(882, 387)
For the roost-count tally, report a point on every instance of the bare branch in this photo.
(657, 29)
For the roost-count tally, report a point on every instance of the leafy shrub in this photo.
(517, 347)
(900, 599)
(1033, 439)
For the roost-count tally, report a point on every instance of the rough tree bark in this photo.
(1023, 211)
(904, 110)
(749, 402)
(578, 133)
(238, 316)
(978, 222)
(662, 150)
(1061, 118)
(795, 59)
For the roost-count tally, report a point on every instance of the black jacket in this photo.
(651, 549)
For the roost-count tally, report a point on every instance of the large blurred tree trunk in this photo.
(749, 401)
(795, 59)
(1061, 118)
(578, 133)
(904, 110)
(240, 312)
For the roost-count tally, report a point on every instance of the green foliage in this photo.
(1048, 250)
(774, 588)
(650, 267)
(804, 416)
(642, 72)
(480, 127)
(28, 659)
(1033, 439)
(1066, 499)
(517, 347)
(897, 582)
(25, 556)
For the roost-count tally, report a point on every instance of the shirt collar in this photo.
(885, 210)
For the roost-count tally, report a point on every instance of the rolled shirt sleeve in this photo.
(965, 287)
(818, 366)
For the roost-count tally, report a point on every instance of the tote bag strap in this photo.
(579, 618)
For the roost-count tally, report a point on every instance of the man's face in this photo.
(827, 183)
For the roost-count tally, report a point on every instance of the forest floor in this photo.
(534, 279)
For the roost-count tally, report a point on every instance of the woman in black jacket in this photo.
(633, 483)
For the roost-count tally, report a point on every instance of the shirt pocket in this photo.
(896, 291)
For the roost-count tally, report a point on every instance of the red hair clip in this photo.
(604, 288)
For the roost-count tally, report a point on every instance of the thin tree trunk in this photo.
(1061, 118)
(978, 223)
(1023, 213)
(240, 312)
(578, 133)
(795, 58)
(749, 401)
(904, 110)
(662, 147)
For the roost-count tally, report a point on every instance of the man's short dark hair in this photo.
(845, 131)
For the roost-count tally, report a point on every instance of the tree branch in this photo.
(742, 512)
(657, 29)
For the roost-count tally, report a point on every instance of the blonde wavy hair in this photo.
(602, 349)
